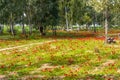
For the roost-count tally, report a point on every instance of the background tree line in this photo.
(40, 14)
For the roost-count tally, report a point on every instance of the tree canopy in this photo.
(58, 12)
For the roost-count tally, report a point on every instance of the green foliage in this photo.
(53, 12)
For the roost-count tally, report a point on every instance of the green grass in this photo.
(7, 40)
(67, 58)
(10, 41)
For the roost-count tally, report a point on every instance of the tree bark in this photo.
(12, 25)
(30, 27)
(41, 29)
(106, 25)
(94, 22)
(66, 16)
(29, 19)
(0, 29)
(23, 26)
(54, 31)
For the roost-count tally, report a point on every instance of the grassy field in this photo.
(82, 58)
(10, 41)
(72, 55)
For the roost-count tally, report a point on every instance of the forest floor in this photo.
(26, 45)
(77, 56)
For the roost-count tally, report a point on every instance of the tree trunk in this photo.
(29, 19)
(94, 22)
(30, 27)
(71, 27)
(41, 29)
(54, 31)
(12, 25)
(87, 27)
(66, 16)
(1, 30)
(106, 25)
(12, 29)
(23, 26)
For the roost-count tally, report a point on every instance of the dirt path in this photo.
(27, 45)
(102, 66)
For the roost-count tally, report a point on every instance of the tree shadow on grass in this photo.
(60, 35)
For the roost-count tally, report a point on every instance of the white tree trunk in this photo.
(29, 19)
(66, 16)
(94, 22)
(106, 25)
(12, 25)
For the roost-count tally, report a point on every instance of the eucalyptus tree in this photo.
(115, 11)
(26, 14)
(106, 6)
(71, 11)
(30, 10)
(3, 16)
(46, 13)
(11, 11)
(22, 14)
(63, 12)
